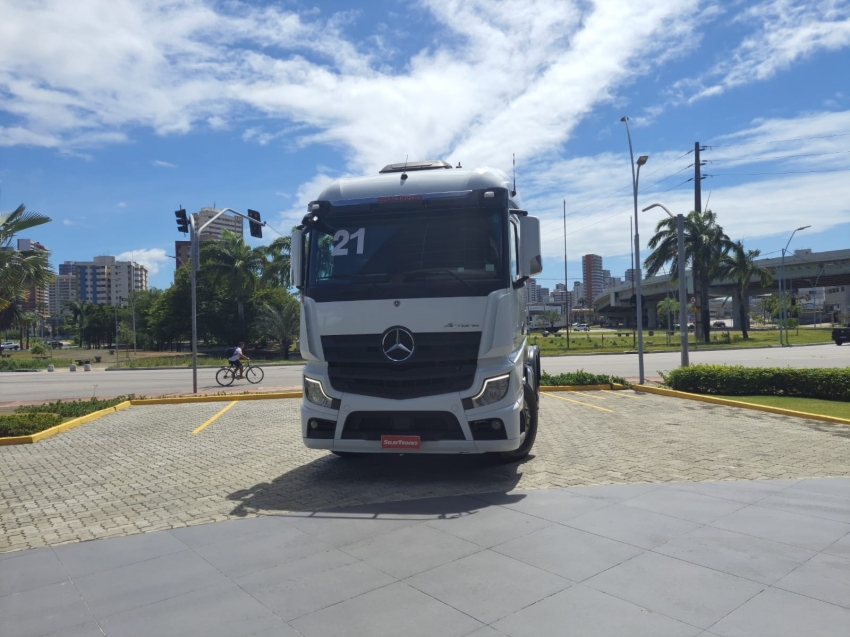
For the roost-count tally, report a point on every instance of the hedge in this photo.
(580, 377)
(72, 409)
(10, 364)
(728, 380)
(26, 424)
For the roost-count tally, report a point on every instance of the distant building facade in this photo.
(225, 222)
(106, 281)
(61, 291)
(591, 270)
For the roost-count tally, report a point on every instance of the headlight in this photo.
(493, 391)
(315, 393)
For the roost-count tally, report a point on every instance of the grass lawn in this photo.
(835, 408)
(604, 340)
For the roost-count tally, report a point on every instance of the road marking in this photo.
(581, 393)
(214, 418)
(578, 402)
(623, 394)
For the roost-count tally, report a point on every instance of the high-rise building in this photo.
(631, 277)
(36, 298)
(62, 290)
(591, 270)
(578, 294)
(534, 291)
(105, 280)
(225, 222)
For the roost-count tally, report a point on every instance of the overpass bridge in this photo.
(803, 269)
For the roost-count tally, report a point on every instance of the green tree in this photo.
(275, 270)
(740, 265)
(233, 262)
(26, 321)
(667, 307)
(79, 310)
(20, 269)
(280, 322)
(551, 317)
(705, 247)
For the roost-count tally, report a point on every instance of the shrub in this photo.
(27, 424)
(9, 364)
(580, 377)
(38, 349)
(73, 408)
(829, 384)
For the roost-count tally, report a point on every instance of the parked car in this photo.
(719, 324)
(9, 345)
(841, 335)
(583, 327)
(55, 344)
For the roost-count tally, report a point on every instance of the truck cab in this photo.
(413, 315)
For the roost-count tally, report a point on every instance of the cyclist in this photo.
(236, 359)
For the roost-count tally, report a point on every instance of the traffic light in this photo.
(256, 227)
(182, 220)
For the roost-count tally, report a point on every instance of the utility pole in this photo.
(697, 179)
(567, 313)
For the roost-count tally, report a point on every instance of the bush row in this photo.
(26, 424)
(8, 364)
(580, 377)
(829, 384)
(73, 408)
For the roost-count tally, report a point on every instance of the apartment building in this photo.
(104, 280)
(36, 298)
(63, 289)
(225, 222)
(593, 279)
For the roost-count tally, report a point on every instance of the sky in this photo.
(114, 113)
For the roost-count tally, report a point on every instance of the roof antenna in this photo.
(458, 165)
(513, 192)
(404, 173)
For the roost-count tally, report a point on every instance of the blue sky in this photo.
(115, 112)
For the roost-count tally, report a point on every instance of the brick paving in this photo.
(142, 469)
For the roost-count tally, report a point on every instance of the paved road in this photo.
(64, 384)
(757, 558)
(143, 469)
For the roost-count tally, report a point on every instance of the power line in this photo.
(787, 172)
(779, 141)
(780, 158)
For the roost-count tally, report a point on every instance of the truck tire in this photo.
(529, 409)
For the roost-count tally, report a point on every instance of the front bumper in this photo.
(508, 411)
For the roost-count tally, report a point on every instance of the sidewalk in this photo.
(751, 558)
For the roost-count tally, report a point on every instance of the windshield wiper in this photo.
(350, 277)
(439, 271)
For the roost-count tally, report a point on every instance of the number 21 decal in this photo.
(343, 236)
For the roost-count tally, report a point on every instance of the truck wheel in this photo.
(529, 413)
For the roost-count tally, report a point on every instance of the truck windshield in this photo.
(449, 252)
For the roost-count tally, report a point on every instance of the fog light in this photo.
(314, 424)
(495, 424)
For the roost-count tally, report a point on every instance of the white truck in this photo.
(413, 316)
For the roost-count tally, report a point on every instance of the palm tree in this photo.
(25, 321)
(20, 270)
(235, 262)
(705, 247)
(739, 264)
(276, 268)
(80, 310)
(280, 322)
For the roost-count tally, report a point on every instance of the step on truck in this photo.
(413, 314)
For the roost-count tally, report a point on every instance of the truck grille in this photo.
(440, 364)
(428, 425)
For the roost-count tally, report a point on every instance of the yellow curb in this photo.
(216, 399)
(614, 386)
(737, 403)
(65, 426)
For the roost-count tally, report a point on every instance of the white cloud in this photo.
(122, 204)
(787, 31)
(158, 163)
(151, 258)
(67, 222)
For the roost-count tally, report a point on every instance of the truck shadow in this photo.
(382, 484)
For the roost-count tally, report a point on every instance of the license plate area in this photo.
(400, 443)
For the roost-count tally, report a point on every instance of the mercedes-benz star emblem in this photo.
(397, 344)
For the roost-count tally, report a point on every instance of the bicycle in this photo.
(227, 374)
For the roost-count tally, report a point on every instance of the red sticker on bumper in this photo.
(400, 442)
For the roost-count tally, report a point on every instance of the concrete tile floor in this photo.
(712, 558)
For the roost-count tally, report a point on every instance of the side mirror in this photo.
(530, 259)
(296, 258)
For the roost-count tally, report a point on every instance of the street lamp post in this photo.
(636, 265)
(782, 312)
(683, 308)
